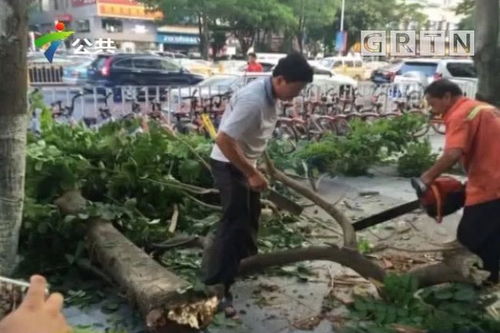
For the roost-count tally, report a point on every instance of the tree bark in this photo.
(344, 256)
(346, 225)
(13, 123)
(204, 35)
(487, 50)
(147, 283)
(155, 290)
(246, 40)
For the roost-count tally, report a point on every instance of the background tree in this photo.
(202, 13)
(466, 8)
(376, 15)
(218, 41)
(13, 122)
(246, 18)
(487, 51)
(315, 18)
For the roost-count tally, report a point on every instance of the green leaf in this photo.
(70, 259)
(465, 294)
(110, 307)
(38, 166)
(443, 294)
(69, 218)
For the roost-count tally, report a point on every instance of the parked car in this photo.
(230, 66)
(349, 66)
(76, 74)
(166, 54)
(371, 66)
(325, 75)
(456, 68)
(385, 74)
(198, 66)
(138, 70)
(226, 84)
(267, 66)
(434, 69)
(219, 84)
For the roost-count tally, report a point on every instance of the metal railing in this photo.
(123, 100)
(45, 74)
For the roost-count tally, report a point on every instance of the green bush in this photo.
(417, 158)
(444, 308)
(367, 144)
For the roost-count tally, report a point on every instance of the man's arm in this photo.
(232, 151)
(449, 158)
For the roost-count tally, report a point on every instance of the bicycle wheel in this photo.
(342, 127)
(287, 137)
(422, 131)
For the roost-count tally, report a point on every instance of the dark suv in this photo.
(138, 70)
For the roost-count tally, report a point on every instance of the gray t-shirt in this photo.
(249, 118)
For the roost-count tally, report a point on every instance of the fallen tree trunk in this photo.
(155, 290)
(147, 283)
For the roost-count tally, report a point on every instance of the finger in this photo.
(36, 292)
(63, 326)
(54, 303)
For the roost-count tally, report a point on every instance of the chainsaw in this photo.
(443, 197)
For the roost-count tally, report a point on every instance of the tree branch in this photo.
(346, 225)
(344, 256)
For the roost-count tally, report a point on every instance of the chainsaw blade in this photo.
(386, 215)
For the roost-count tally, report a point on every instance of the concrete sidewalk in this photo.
(285, 305)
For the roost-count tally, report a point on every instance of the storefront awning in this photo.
(178, 39)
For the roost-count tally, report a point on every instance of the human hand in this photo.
(36, 314)
(426, 179)
(257, 181)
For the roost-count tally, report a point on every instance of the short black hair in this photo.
(252, 54)
(294, 68)
(440, 87)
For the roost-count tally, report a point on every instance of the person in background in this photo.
(472, 137)
(246, 126)
(253, 65)
(37, 313)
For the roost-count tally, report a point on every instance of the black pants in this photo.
(479, 231)
(236, 234)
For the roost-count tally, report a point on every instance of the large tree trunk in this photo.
(487, 55)
(13, 122)
(147, 283)
(156, 291)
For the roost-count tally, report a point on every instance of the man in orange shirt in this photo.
(473, 138)
(253, 65)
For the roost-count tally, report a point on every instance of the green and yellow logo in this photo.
(54, 38)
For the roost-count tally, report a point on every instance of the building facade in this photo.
(126, 22)
(183, 39)
(440, 14)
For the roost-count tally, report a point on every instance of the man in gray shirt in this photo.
(245, 128)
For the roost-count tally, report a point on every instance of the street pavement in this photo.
(284, 304)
